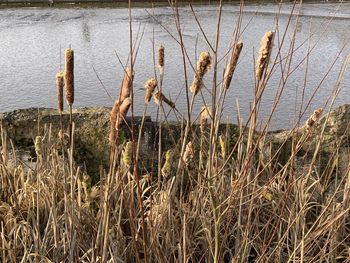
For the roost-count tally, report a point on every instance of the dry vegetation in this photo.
(210, 198)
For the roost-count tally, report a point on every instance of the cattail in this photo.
(127, 84)
(203, 117)
(158, 97)
(264, 54)
(230, 69)
(203, 65)
(150, 85)
(39, 145)
(127, 154)
(167, 165)
(69, 75)
(313, 119)
(188, 154)
(123, 110)
(59, 87)
(113, 120)
(222, 146)
(161, 58)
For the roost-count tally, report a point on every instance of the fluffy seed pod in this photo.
(167, 165)
(203, 117)
(262, 61)
(113, 120)
(158, 97)
(222, 146)
(161, 56)
(202, 67)
(230, 69)
(188, 154)
(127, 84)
(59, 88)
(69, 75)
(150, 85)
(310, 123)
(127, 154)
(123, 110)
(39, 145)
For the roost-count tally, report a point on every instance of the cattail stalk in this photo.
(161, 59)
(232, 64)
(113, 120)
(202, 67)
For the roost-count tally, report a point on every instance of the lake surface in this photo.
(32, 41)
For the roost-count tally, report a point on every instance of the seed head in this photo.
(202, 67)
(59, 88)
(188, 154)
(262, 61)
(127, 84)
(310, 123)
(203, 118)
(69, 75)
(167, 165)
(158, 97)
(161, 57)
(150, 85)
(127, 154)
(236, 51)
(39, 145)
(123, 110)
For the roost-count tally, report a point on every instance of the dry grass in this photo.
(213, 195)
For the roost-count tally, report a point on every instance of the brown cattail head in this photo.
(203, 118)
(159, 97)
(69, 75)
(127, 84)
(262, 61)
(150, 85)
(113, 120)
(313, 119)
(230, 69)
(161, 57)
(59, 87)
(123, 110)
(202, 67)
(188, 154)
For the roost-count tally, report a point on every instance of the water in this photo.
(32, 41)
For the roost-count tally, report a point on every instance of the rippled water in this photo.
(33, 39)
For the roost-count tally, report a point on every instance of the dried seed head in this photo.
(167, 165)
(127, 84)
(230, 69)
(313, 119)
(202, 67)
(69, 75)
(150, 85)
(127, 154)
(59, 88)
(203, 118)
(222, 146)
(113, 120)
(39, 145)
(262, 61)
(188, 154)
(161, 56)
(159, 97)
(123, 110)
